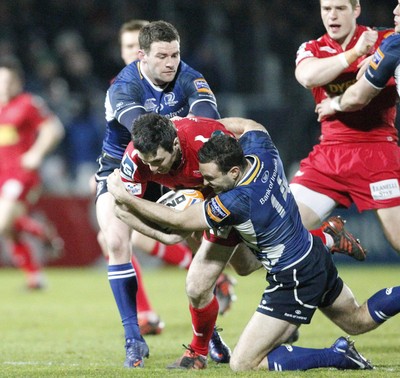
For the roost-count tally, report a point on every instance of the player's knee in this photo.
(237, 363)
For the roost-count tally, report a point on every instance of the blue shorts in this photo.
(294, 294)
(107, 164)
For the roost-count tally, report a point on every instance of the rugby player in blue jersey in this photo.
(158, 82)
(254, 199)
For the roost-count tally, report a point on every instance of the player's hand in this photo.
(116, 186)
(324, 109)
(363, 65)
(366, 42)
(31, 160)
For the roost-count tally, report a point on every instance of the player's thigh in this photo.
(390, 221)
(262, 334)
(142, 242)
(207, 264)
(314, 207)
(243, 260)
(116, 233)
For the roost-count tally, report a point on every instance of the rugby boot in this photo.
(346, 348)
(218, 350)
(344, 241)
(190, 360)
(136, 351)
(224, 292)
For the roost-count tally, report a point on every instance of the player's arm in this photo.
(314, 72)
(354, 98)
(238, 126)
(191, 219)
(50, 133)
(147, 228)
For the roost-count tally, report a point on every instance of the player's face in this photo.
(339, 18)
(396, 13)
(129, 46)
(214, 178)
(161, 162)
(10, 85)
(161, 63)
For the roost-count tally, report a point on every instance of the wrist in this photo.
(335, 104)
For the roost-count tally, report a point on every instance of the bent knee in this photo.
(239, 364)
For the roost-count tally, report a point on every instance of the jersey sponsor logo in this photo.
(265, 177)
(386, 189)
(216, 210)
(339, 88)
(201, 138)
(202, 86)
(169, 99)
(294, 316)
(377, 59)
(8, 135)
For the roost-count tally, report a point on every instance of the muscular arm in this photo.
(191, 219)
(315, 72)
(239, 126)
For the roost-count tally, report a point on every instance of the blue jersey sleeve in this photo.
(384, 62)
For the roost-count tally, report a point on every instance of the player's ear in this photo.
(141, 54)
(234, 172)
(176, 146)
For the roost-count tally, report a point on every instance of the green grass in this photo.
(73, 329)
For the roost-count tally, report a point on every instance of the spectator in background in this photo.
(28, 132)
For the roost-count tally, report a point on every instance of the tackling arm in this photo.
(354, 98)
(239, 126)
(191, 219)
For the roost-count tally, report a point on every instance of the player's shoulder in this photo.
(391, 43)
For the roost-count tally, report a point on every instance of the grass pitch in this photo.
(73, 328)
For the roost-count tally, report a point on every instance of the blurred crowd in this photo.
(245, 49)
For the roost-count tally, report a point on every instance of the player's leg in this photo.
(260, 347)
(314, 207)
(21, 252)
(208, 263)
(354, 319)
(390, 221)
(122, 277)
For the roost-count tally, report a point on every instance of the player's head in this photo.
(11, 79)
(129, 39)
(159, 51)
(222, 162)
(339, 18)
(396, 12)
(156, 142)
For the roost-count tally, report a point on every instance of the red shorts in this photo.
(20, 186)
(366, 174)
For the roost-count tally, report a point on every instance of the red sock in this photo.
(30, 225)
(142, 301)
(23, 258)
(203, 322)
(318, 232)
(177, 254)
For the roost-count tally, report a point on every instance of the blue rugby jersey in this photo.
(261, 207)
(385, 63)
(131, 95)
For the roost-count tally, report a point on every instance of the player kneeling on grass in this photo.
(253, 197)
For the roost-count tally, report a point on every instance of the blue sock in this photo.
(287, 357)
(124, 286)
(384, 304)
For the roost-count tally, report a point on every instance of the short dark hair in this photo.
(157, 31)
(130, 26)
(223, 150)
(14, 65)
(151, 131)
